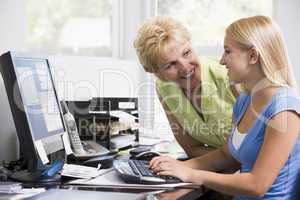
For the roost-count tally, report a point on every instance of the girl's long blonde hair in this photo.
(265, 36)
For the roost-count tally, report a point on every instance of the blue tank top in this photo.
(287, 185)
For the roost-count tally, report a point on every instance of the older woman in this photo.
(195, 92)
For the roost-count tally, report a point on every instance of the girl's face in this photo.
(236, 60)
(180, 65)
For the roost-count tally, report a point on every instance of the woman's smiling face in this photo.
(180, 65)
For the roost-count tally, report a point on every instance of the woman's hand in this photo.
(168, 166)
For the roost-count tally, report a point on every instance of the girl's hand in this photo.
(168, 166)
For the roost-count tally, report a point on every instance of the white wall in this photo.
(12, 23)
(81, 79)
(287, 15)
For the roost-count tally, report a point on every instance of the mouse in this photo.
(148, 155)
(105, 161)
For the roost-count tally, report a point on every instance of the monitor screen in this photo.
(38, 97)
(34, 104)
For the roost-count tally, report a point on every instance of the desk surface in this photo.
(64, 194)
(75, 193)
(115, 193)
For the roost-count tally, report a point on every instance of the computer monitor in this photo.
(35, 108)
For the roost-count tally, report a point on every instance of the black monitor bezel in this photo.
(26, 139)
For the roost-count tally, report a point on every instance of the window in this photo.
(207, 19)
(69, 27)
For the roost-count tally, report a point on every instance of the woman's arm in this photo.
(280, 136)
(191, 146)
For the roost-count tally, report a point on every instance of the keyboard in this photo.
(137, 171)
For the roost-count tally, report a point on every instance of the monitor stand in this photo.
(42, 176)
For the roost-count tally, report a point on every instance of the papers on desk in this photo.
(79, 171)
(112, 180)
(148, 141)
(117, 127)
(126, 121)
(25, 193)
(124, 117)
(10, 187)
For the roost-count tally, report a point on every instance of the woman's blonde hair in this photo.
(154, 37)
(265, 36)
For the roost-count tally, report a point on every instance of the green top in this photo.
(217, 99)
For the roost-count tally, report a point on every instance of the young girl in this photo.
(264, 142)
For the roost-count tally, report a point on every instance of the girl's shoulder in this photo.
(285, 99)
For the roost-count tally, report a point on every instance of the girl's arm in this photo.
(280, 137)
(219, 160)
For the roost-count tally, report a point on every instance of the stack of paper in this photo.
(79, 171)
(10, 187)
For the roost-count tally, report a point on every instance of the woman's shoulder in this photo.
(160, 84)
(165, 87)
(214, 73)
(213, 68)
